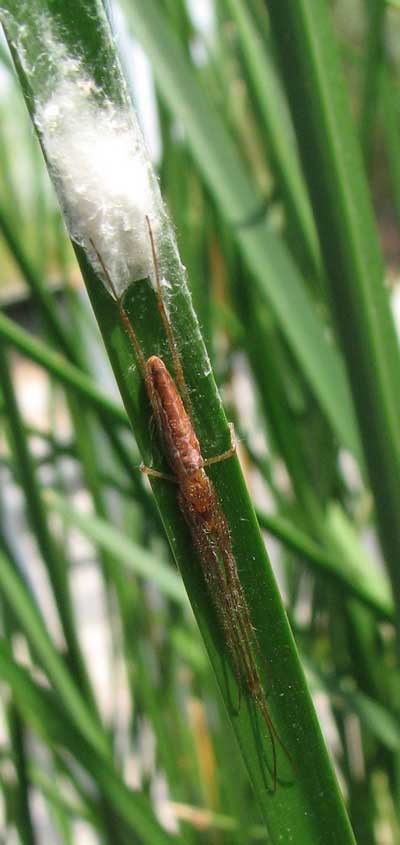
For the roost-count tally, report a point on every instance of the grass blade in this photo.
(349, 241)
(42, 711)
(363, 582)
(24, 609)
(134, 557)
(51, 554)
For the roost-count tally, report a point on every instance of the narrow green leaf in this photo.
(391, 129)
(42, 711)
(349, 241)
(373, 716)
(52, 320)
(49, 549)
(279, 134)
(376, 11)
(376, 719)
(354, 572)
(21, 604)
(133, 557)
(67, 374)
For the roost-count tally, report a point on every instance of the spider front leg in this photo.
(225, 455)
(154, 473)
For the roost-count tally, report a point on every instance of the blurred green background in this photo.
(81, 540)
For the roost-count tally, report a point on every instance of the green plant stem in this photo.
(349, 242)
(278, 132)
(370, 588)
(376, 11)
(18, 743)
(17, 737)
(56, 566)
(391, 129)
(53, 323)
(46, 715)
(41, 295)
(26, 612)
(65, 372)
(134, 557)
